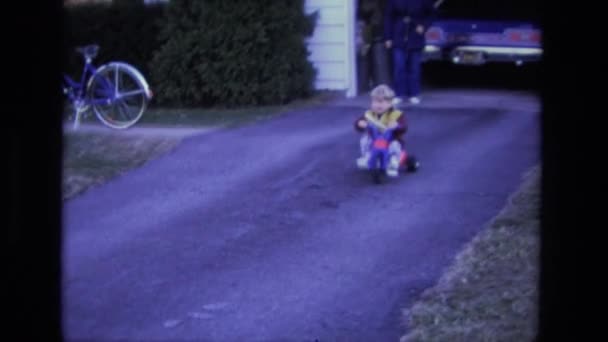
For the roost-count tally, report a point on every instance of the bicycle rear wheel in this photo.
(118, 94)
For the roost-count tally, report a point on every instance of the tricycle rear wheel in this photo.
(412, 164)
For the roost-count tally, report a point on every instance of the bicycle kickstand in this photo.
(77, 117)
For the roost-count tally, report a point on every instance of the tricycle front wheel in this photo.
(377, 176)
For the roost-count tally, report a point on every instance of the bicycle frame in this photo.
(78, 89)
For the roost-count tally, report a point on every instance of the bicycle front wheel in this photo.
(118, 94)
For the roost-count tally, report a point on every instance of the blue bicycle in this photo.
(117, 92)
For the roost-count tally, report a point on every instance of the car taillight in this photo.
(433, 35)
(515, 36)
(535, 37)
(523, 36)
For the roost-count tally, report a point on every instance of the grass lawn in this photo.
(226, 117)
(490, 291)
(91, 159)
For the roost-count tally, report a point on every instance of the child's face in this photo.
(380, 104)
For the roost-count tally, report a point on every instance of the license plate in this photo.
(472, 58)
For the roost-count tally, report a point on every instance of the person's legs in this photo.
(413, 72)
(399, 71)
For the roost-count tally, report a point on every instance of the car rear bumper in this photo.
(483, 54)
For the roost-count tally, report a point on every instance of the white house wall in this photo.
(331, 44)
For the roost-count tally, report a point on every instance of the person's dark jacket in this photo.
(401, 17)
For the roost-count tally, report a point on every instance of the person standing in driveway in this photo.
(405, 25)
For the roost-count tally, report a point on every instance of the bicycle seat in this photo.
(88, 51)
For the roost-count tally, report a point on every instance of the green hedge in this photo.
(238, 52)
(126, 30)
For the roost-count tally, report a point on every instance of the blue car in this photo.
(494, 34)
